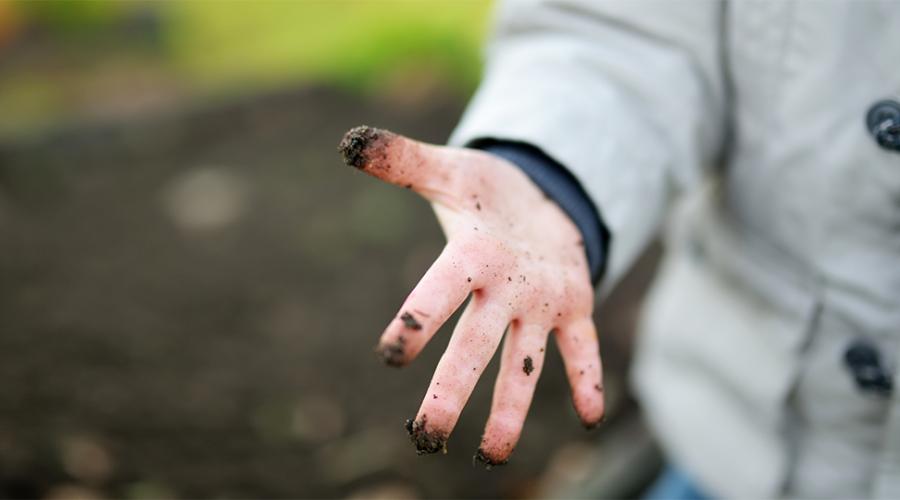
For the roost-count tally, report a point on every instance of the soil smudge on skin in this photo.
(410, 321)
(591, 425)
(426, 442)
(485, 460)
(392, 353)
(528, 365)
(357, 143)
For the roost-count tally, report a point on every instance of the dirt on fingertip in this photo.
(392, 353)
(426, 442)
(593, 425)
(357, 142)
(488, 463)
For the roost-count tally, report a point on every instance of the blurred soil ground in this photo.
(188, 304)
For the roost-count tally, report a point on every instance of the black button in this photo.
(883, 122)
(864, 362)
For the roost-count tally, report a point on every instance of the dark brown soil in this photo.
(393, 354)
(357, 142)
(486, 461)
(409, 321)
(527, 365)
(426, 442)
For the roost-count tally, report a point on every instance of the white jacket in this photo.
(743, 125)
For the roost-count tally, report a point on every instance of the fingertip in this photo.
(593, 424)
(359, 142)
(392, 353)
(488, 459)
(593, 415)
(426, 441)
(402, 340)
(500, 438)
(590, 407)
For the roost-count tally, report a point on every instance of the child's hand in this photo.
(522, 260)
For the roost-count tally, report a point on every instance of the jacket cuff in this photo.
(560, 186)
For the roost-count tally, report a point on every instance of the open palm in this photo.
(523, 262)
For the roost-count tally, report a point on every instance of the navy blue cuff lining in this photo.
(563, 188)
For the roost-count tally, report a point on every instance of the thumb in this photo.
(427, 169)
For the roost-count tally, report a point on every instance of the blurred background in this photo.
(191, 283)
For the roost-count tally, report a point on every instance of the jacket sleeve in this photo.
(628, 95)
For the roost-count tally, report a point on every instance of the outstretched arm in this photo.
(629, 97)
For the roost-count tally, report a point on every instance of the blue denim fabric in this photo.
(674, 484)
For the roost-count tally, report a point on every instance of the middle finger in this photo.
(471, 347)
